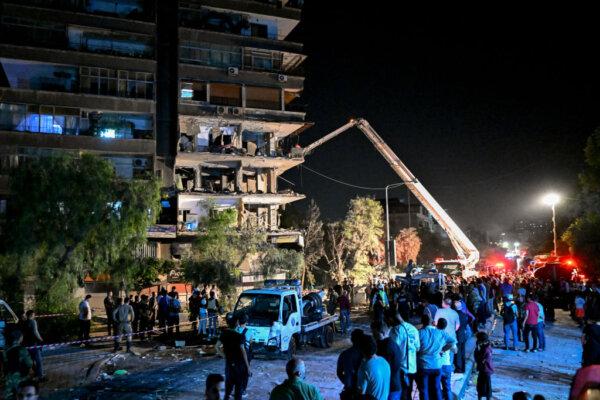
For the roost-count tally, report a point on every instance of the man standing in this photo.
(446, 371)
(374, 373)
(144, 315)
(433, 343)
(85, 318)
(344, 303)
(174, 310)
(32, 338)
(347, 366)
(212, 306)
(541, 326)
(123, 317)
(451, 317)
(389, 350)
(462, 335)
(17, 363)
(294, 386)
(194, 308)
(237, 367)
(509, 317)
(530, 323)
(109, 307)
(406, 337)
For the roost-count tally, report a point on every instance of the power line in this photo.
(302, 166)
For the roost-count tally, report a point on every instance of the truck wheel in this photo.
(291, 351)
(328, 336)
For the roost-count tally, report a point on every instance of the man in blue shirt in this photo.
(433, 343)
(374, 373)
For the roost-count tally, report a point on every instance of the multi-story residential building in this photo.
(403, 214)
(238, 84)
(202, 93)
(77, 76)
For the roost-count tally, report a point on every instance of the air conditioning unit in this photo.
(234, 110)
(140, 163)
(233, 71)
(282, 78)
(221, 110)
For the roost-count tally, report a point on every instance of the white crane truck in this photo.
(280, 319)
(467, 253)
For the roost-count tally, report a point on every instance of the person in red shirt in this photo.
(530, 323)
(344, 303)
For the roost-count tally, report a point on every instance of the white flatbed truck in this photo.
(280, 320)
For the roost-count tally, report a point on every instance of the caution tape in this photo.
(113, 337)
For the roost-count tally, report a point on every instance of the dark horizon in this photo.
(488, 113)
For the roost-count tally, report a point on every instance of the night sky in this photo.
(487, 112)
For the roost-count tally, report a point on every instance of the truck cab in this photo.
(7, 318)
(277, 323)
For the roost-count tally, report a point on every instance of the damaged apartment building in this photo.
(205, 94)
(238, 116)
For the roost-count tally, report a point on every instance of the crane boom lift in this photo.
(467, 253)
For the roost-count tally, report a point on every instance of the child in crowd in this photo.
(483, 358)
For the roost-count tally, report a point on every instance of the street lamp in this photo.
(387, 228)
(552, 199)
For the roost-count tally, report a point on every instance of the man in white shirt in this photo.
(450, 316)
(85, 318)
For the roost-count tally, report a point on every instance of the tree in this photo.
(313, 242)
(74, 215)
(336, 250)
(276, 260)
(408, 245)
(583, 235)
(363, 229)
(220, 250)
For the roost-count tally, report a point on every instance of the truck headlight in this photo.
(274, 341)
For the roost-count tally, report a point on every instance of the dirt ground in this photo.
(548, 373)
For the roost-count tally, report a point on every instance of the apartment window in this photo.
(42, 119)
(196, 91)
(211, 54)
(263, 97)
(110, 82)
(32, 31)
(120, 126)
(255, 143)
(22, 74)
(109, 42)
(259, 30)
(262, 60)
(225, 94)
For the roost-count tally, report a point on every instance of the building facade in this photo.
(204, 94)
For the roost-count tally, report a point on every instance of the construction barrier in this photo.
(113, 337)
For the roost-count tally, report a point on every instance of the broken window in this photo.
(255, 143)
(263, 97)
(184, 179)
(194, 91)
(218, 180)
(225, 94)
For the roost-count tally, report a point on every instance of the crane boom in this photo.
(468, 255)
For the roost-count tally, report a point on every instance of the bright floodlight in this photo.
(505, 245)
(551, 199)
(517, 244)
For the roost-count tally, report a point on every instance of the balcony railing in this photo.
(138, 10)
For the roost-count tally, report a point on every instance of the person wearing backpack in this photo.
(174, 310)
(509, 319)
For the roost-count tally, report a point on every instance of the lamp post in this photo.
(552, 199)
(387, 228)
